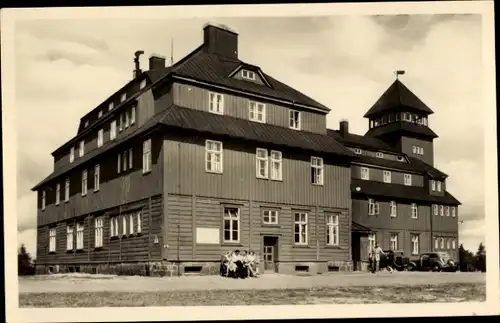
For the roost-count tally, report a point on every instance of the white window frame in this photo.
(271, 215)
(99, 232)
(394, 241)
(232, 217)
(332, 230)
(415, 244)
(373, 207)
(448, 244)
(79, 235)
(52, 239)
(124, 225)
(276, 160)
(372, 239)
(365, 173)
(379, 154)
(44, 199)
(438, 186)
(86, 124)
(211, 154)
(447, 210)
(248, 75)
(99, 114)
(81, 149)
(317, 171)
(58, 193)
(414, 211)
(358, 151)
(100, 138)
(257, 111)
(453, 244)
(441, 210)
(386, 176)
(97, 177)
(414, 150)
(441, 244)
(436, 243)
(120, 122)
(147, 163)
(142, 84)
(433, 185)
(407, 179)
(127, 118)
(453, 211)
(112, 130)
(435, 209)
(123, 97)
(66, 190)
(302, 222)
(216, 103)
(132, 115)
(131, 223)
(114, 226)
(69, 237)
(139, 222)
(394, 209)
(84, 182)
(111, 106)
(294, 123)
(130, 158)
(72, 154)
(261, 163)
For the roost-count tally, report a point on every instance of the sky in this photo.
(66, 67)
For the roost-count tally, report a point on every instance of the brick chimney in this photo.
(220, 40)
(344, 127)
(156, 62)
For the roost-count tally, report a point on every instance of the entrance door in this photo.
(270, 254)
(356, 250)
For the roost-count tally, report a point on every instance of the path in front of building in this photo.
(95, 283)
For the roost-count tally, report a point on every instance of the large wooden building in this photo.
(212, 154)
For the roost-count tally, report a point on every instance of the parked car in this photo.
(394, 259)
(433, 261)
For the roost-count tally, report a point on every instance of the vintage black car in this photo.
(433, 261)
(394, 259)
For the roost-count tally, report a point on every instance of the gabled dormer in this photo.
(250, 73)
(401, 119)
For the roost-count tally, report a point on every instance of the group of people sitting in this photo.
(239, 265)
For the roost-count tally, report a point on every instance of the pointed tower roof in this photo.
(396, 98)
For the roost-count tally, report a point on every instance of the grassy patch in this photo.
(324, 295)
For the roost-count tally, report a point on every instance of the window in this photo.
(86, 124)
(436, 243)
(143, 84)
(276, 165)
(114, 225)
(442, 243)
(213, 156)
(231, 224)
(124, 225)
(146, 156)
(216, 104)
(69, 237)
(130, 158)
(357, 151)
(66, 190)
(332, 226)
(294, 122)
(400, 158)
(52, 240)
(139, 222)
(270, 216)
(317, 170)
(453, 211)
(394, 209)
(448, 244)
(58, 193)
(407, 179)
(394, 241)
(433, 185)
(127, 117)
(373, 207)
(131, 224)
(125, 160)
(123, 97)
(111, 106)
(72, 154)
(447, 211)
(435, 207)
(365, 173)
(97, 177)
(414, 244)
(438, 186)
(257, 111)
(112, 130)
(79, 236)
(98, 238)
(300, 229)
(414, 211)
(119, 164)
(132, 115)
(441, 210)
(120, 122)
(421, 151)
(44, 199)
(262, 160)
(84, 182)
(99, 116)
(387, 176)
(372, 238)
(81, 149)
(379, 155)
(249, 75)
(453, 244)
(100, 137)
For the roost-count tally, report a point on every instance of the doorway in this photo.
(270, 254)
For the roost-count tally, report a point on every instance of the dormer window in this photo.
(86, 124)
(379, 155)
(81, 149)
(401, 158)
(71, 154)
(438, 186)
(433, 185)
(143, 84)
(248, 75)
(257, 111)
(216, 104)
(111, 106)
(99, 115)
(294, 122)
(123, 97)
(357, 151)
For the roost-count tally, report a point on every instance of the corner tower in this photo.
(400, 119)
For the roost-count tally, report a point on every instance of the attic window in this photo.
(401, 158)
(357, 151)
(379, 155)
(143, 84)
(111, 105)
(100, 114)
(86, 124)
(124, 97)
(248, 75)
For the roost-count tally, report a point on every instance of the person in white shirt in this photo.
(378, 251)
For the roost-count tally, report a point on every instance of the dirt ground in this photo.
(78, 283)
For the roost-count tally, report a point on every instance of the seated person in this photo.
(225, 260)
(236, 263)
(252, 264)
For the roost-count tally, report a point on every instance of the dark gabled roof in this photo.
(433, 172)
(202, 66)
(401, 127)
(413, 193)
(358, 141)
(207, 122)
(397, 98)
(356, 227)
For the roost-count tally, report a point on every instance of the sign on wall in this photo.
(207, 235)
